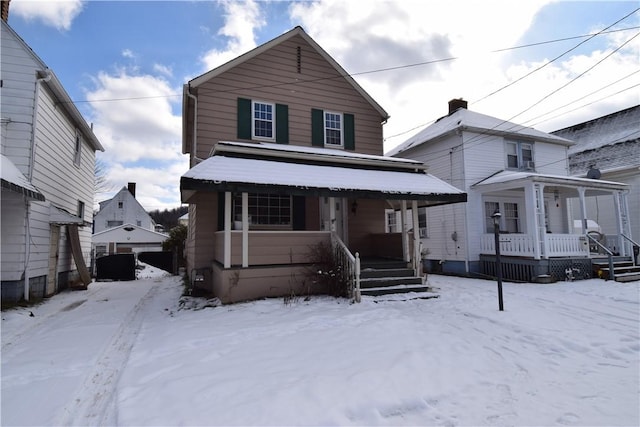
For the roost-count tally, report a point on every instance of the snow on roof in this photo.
(611, 129)
(229, 170)
(328, 153)
(466, 119)
(511, 176)
(14, 180)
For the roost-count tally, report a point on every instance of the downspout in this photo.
(36, 94)
(27, 234)
(194, 144)
(27, 248)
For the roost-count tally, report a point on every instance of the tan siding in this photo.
(206, 223)
(272, 77)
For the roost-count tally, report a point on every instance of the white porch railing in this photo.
(350, 265)
(554, 245)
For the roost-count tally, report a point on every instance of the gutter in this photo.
(194, 144)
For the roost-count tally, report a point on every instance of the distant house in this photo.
(608, 148)
(286, 155)
(127, 238)
(184, 220)
(123, 208)
(523, 174)
(48, 162)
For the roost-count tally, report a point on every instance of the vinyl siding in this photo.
(551, 158)
(130, 213)
(12, 235)
(272, 77)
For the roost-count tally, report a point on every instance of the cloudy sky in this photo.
(540, 63)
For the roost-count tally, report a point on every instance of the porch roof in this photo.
(270, 168)
(13, 180)
(516, 179)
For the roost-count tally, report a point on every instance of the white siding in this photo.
(130, 213)
(551, 158)
(12, 235)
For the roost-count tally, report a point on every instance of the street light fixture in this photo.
(496, 231)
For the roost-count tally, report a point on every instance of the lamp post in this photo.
(496, 231)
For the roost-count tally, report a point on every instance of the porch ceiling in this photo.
(238, 174)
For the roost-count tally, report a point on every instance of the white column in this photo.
(583, 210)
(227, 229)
(245, 229)
(403, 224)
(416, 235)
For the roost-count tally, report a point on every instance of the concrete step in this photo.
(628, 277)
(369, 273)
(397, 289)
(379, 282)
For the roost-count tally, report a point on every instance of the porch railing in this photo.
(349, 265)
(555, 245)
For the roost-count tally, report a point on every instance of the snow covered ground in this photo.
(128, 353)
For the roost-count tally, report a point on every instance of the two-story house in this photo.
(522, 174)
(286, 152)
(123, 225)
(48, 158)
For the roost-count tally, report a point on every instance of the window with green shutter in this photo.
(331, 129)
(263, 121)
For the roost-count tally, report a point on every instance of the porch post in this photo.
(416, 235)
(583, 210)
(534, 208)
(622, 222)
(332, 214)
(245, 229)
(405, 232)
(227, 229)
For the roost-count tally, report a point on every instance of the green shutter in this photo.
(299, 212)
(244, 118)
(349, 132)
(317, 127)
(282, 124)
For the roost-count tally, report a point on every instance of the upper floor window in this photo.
(120, 205)
(112, 223)
(80, 213)
(333, 129)
(520, 155)
(263, 120)
(77, 149)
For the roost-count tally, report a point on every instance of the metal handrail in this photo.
(612, 274)
(350, 264)
(635, 245)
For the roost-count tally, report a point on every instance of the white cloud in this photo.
(58, 14)
(163, 69)
(380, 34)
(128, 53)
(134, 120)
(242, 19)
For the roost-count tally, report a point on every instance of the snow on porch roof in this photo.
(241, 174)
(513, 177)
(12, 179)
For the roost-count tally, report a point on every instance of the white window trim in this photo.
(519, 156)
(324, 127)
(253, 120)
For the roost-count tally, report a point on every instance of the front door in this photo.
(325, 216)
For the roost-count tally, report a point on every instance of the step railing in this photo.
(349, 266)
(612, 273)
(636, 248)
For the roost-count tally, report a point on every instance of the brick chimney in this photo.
(132, 189)
(456, 104)
(4, 9)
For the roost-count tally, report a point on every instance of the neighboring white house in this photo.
(608, 147)
(524, 174)
(48, 165)
(121, 209)
(127, 238)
